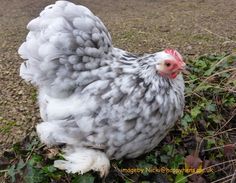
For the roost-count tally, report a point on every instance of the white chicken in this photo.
(101, 102)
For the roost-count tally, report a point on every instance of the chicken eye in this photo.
(167, 64)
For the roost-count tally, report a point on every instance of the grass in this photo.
(200, 148)
(6, 125)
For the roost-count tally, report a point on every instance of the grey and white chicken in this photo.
(101, 102)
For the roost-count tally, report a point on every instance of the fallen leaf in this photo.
(229, 150)
(193, 162)
(51, 153)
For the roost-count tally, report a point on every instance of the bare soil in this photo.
(194, 27)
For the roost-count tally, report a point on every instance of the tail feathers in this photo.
(64, 44)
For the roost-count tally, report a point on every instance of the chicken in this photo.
(101, 102)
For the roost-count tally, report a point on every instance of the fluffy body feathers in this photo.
(99, 100)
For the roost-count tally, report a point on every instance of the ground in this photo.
(193, 27)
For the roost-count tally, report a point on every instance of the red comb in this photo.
(175, 54)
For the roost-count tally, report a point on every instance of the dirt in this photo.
(194, 27)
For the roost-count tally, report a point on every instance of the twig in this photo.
(194, 94)
(215, 148)
(233, 178)
(3, 171)
(227, 121)
(212, 86)
(121, 174)
(220, 169)
(204, 81)
(222, 37)
(30, 154)
(213, 75)
(232, 129)
(32, 150)
(216, 64)
(210, 167)
(220, 180)
(221, 60)
(190, 81)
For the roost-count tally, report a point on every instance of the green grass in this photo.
(200, 147)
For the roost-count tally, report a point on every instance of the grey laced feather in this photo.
(103, 97)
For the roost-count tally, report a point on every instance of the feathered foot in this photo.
(53, 133)
(46, 133)
(82, 160)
